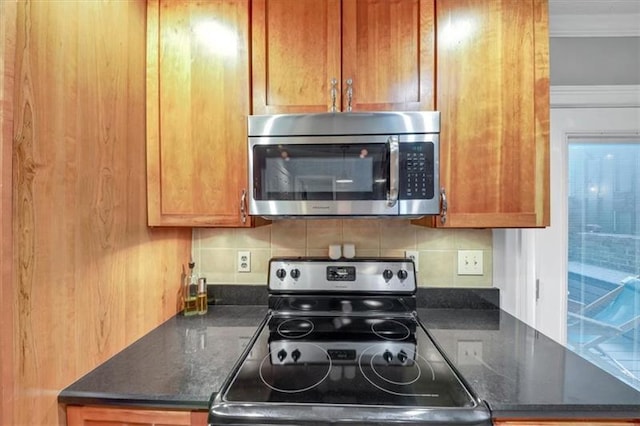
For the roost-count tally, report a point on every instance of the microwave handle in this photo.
(394, 171)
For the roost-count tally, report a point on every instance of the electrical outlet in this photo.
(244, 261)
(469, 352)
(470, 262)
(413, 255)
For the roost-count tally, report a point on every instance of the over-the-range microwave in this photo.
(362, 164)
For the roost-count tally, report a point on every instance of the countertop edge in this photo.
(567, 412)
(123, 400)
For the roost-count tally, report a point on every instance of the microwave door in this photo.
(322, 179)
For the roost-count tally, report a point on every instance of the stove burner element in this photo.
(377, 304)
(392, 378)
(390, 330)
(287, 377)
(303, 304)
(295, 328)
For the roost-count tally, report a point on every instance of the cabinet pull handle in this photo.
(394, 170)
(243, 206)
(349, 93)
(444, 204)
(334, 94)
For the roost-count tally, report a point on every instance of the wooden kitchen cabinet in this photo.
(493, 96)
(385, 47)
(102, 416)
(198, 98)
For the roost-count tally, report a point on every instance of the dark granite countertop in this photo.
(522, 373)
(519, 373)
(178, 365)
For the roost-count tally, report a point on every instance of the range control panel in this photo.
(384, 275)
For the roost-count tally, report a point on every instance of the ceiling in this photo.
(594, 7)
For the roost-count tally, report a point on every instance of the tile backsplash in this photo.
(215, 249)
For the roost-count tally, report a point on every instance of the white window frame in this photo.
(523, 257)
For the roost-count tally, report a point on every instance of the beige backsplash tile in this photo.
(436, 268)
(289, 234)
(434, 239)
(473, 239)
(321, 237)
(215, 249)
(251, 238)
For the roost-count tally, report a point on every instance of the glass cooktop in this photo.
(379, 361)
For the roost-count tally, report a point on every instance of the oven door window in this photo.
(321, 172)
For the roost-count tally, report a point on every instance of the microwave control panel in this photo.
(416, 171)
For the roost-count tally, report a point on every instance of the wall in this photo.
(89, 276)
(215, 250)
(594, 60)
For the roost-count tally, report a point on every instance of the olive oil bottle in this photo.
(202, 296)
(190, 292)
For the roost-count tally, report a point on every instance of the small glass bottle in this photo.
(190, 292)
(202, 296)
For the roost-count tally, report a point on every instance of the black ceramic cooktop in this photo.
(380, 361)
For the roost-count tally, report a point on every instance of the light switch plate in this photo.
(470, 262)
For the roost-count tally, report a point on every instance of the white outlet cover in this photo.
(244, 261)
(470, 262)
(413, 254)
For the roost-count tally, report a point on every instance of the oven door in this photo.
(324, 176)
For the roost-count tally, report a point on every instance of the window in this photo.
(603, 208)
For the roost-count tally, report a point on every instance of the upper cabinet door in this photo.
(493, 95)
(385, 47)
(388, 53)
(295, 55)
(197, 106)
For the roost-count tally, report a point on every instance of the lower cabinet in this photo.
(572, 422)
(102, 416)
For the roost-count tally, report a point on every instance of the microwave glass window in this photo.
(321, 172)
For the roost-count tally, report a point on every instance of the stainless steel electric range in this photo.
(342, 343)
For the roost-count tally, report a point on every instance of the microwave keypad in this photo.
(416, 171)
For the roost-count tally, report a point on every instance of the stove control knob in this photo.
(295, 274)
(281, 273)
(388, 356)
(295, 355)
(402, 274)
(402, 356)
(387, 274)
(282, 354)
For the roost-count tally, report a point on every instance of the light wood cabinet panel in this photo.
(295, 54)
(493, 95)
(197, 107)
(388, 52)
(104, 416)
(385, 47)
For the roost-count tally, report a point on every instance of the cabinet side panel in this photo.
(90, 276)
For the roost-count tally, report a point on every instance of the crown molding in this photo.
(618, 96)
(609, 25)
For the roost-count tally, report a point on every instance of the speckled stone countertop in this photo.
(520, 373)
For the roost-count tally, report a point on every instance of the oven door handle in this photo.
(394, 170)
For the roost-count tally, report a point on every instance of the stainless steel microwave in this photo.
(344, 164)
